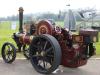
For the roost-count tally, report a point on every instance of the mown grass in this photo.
(98, 46)
(6, 33)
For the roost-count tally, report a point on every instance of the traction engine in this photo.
(50, 46)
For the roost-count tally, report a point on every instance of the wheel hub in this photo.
(9, 52)
(42, 53)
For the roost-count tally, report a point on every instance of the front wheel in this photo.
(45, 54)
(8, 52)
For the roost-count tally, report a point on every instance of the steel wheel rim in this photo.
(42, 54)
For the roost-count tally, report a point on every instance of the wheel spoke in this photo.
(50, 56)
(36, 46)
(40, 43)
(35, 56)
(6, 50)
(12, 54)
(39, 39)
(26, 50)
(48, 60)
(49, 49)
(8, 57)
(39, 62)
(9, 48)
(44, 64)
(45, 45)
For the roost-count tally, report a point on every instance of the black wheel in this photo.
(45, 54)
(8, 52)
(26, 51)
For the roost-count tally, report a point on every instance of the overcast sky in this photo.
(10, 7)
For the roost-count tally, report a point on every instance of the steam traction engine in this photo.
(51, 46)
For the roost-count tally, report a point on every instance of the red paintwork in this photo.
(69, 54)
(25, 39)
(68, 57)
(44, 27)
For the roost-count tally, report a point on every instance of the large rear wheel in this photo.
(45, 54)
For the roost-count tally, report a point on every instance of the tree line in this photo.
(57, 17)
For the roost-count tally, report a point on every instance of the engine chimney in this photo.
(21, 19)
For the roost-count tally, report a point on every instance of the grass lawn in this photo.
(6, 32)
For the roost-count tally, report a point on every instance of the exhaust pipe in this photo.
(21, 19)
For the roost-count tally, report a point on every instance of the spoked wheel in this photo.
(45, 54)
(26, 51)
(8, 52)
